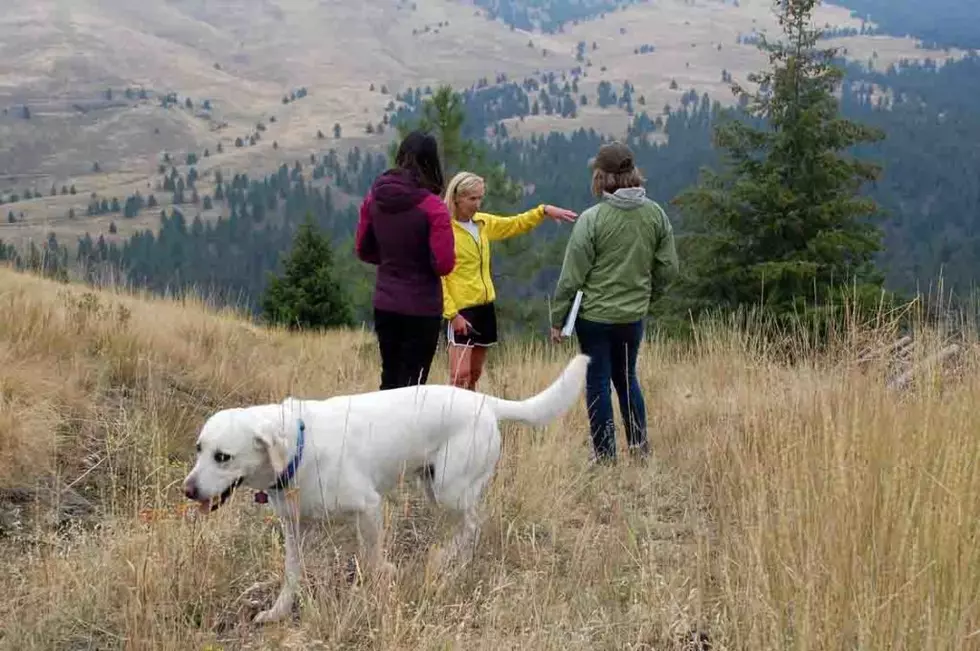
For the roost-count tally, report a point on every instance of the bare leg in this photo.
(478, 357)
(459, 365)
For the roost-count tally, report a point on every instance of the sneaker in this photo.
(640, 452)
(601, 461)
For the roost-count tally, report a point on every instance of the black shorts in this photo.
(483, 319)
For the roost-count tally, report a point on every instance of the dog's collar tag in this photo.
(283, 480)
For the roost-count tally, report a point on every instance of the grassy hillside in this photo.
(71, 64)
(786, 507)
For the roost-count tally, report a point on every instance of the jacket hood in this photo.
(626, 198)
(397, 190)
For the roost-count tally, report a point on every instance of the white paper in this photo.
(569, 326)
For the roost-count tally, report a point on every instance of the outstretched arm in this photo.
(501, 228)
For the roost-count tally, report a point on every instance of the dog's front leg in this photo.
(292, 534)
(369, 538)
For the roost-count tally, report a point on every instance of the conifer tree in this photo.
(308, 295)
(443, 114)
(784, 228)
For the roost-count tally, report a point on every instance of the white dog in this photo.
(314, 457)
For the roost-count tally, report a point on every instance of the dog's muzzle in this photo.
(225, 494)
(211, 504)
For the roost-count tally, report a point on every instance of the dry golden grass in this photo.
(799, 507)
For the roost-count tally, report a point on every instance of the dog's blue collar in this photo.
(286, 476)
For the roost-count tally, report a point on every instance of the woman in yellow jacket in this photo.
(468, 291)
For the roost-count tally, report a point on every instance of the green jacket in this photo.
(621, 255)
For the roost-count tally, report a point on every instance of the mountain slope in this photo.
(111, 86)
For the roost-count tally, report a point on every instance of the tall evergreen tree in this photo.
(443, 114)
(308, 295)
(784, 227)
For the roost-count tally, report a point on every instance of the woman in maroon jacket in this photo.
(405, 229)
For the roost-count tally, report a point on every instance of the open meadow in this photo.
(804, 506)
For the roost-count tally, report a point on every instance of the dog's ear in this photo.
(275, 450)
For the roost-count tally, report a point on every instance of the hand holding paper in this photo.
(569, 326)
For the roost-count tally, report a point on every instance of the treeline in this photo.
(929, 190)
(549, 16)
(549, 93)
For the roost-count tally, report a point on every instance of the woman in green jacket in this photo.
(620, 255)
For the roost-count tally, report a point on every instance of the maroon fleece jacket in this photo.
(407, 232)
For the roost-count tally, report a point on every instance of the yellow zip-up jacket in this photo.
(470, 283)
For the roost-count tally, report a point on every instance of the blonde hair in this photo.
(610, 182)
(461, 183)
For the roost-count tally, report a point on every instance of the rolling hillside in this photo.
(95, 92)
(784, 506)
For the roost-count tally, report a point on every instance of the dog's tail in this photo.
(551, 403)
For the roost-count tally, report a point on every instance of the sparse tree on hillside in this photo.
(308, 295)
(784, 226)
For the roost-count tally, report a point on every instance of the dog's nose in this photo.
(190, 490)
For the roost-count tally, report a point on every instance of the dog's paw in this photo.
(267, 616)
(260, 586)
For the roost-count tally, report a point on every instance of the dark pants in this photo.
(407, 344)
(613, 349)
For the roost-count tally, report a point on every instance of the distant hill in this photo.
(938, 23)
(97, 94)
